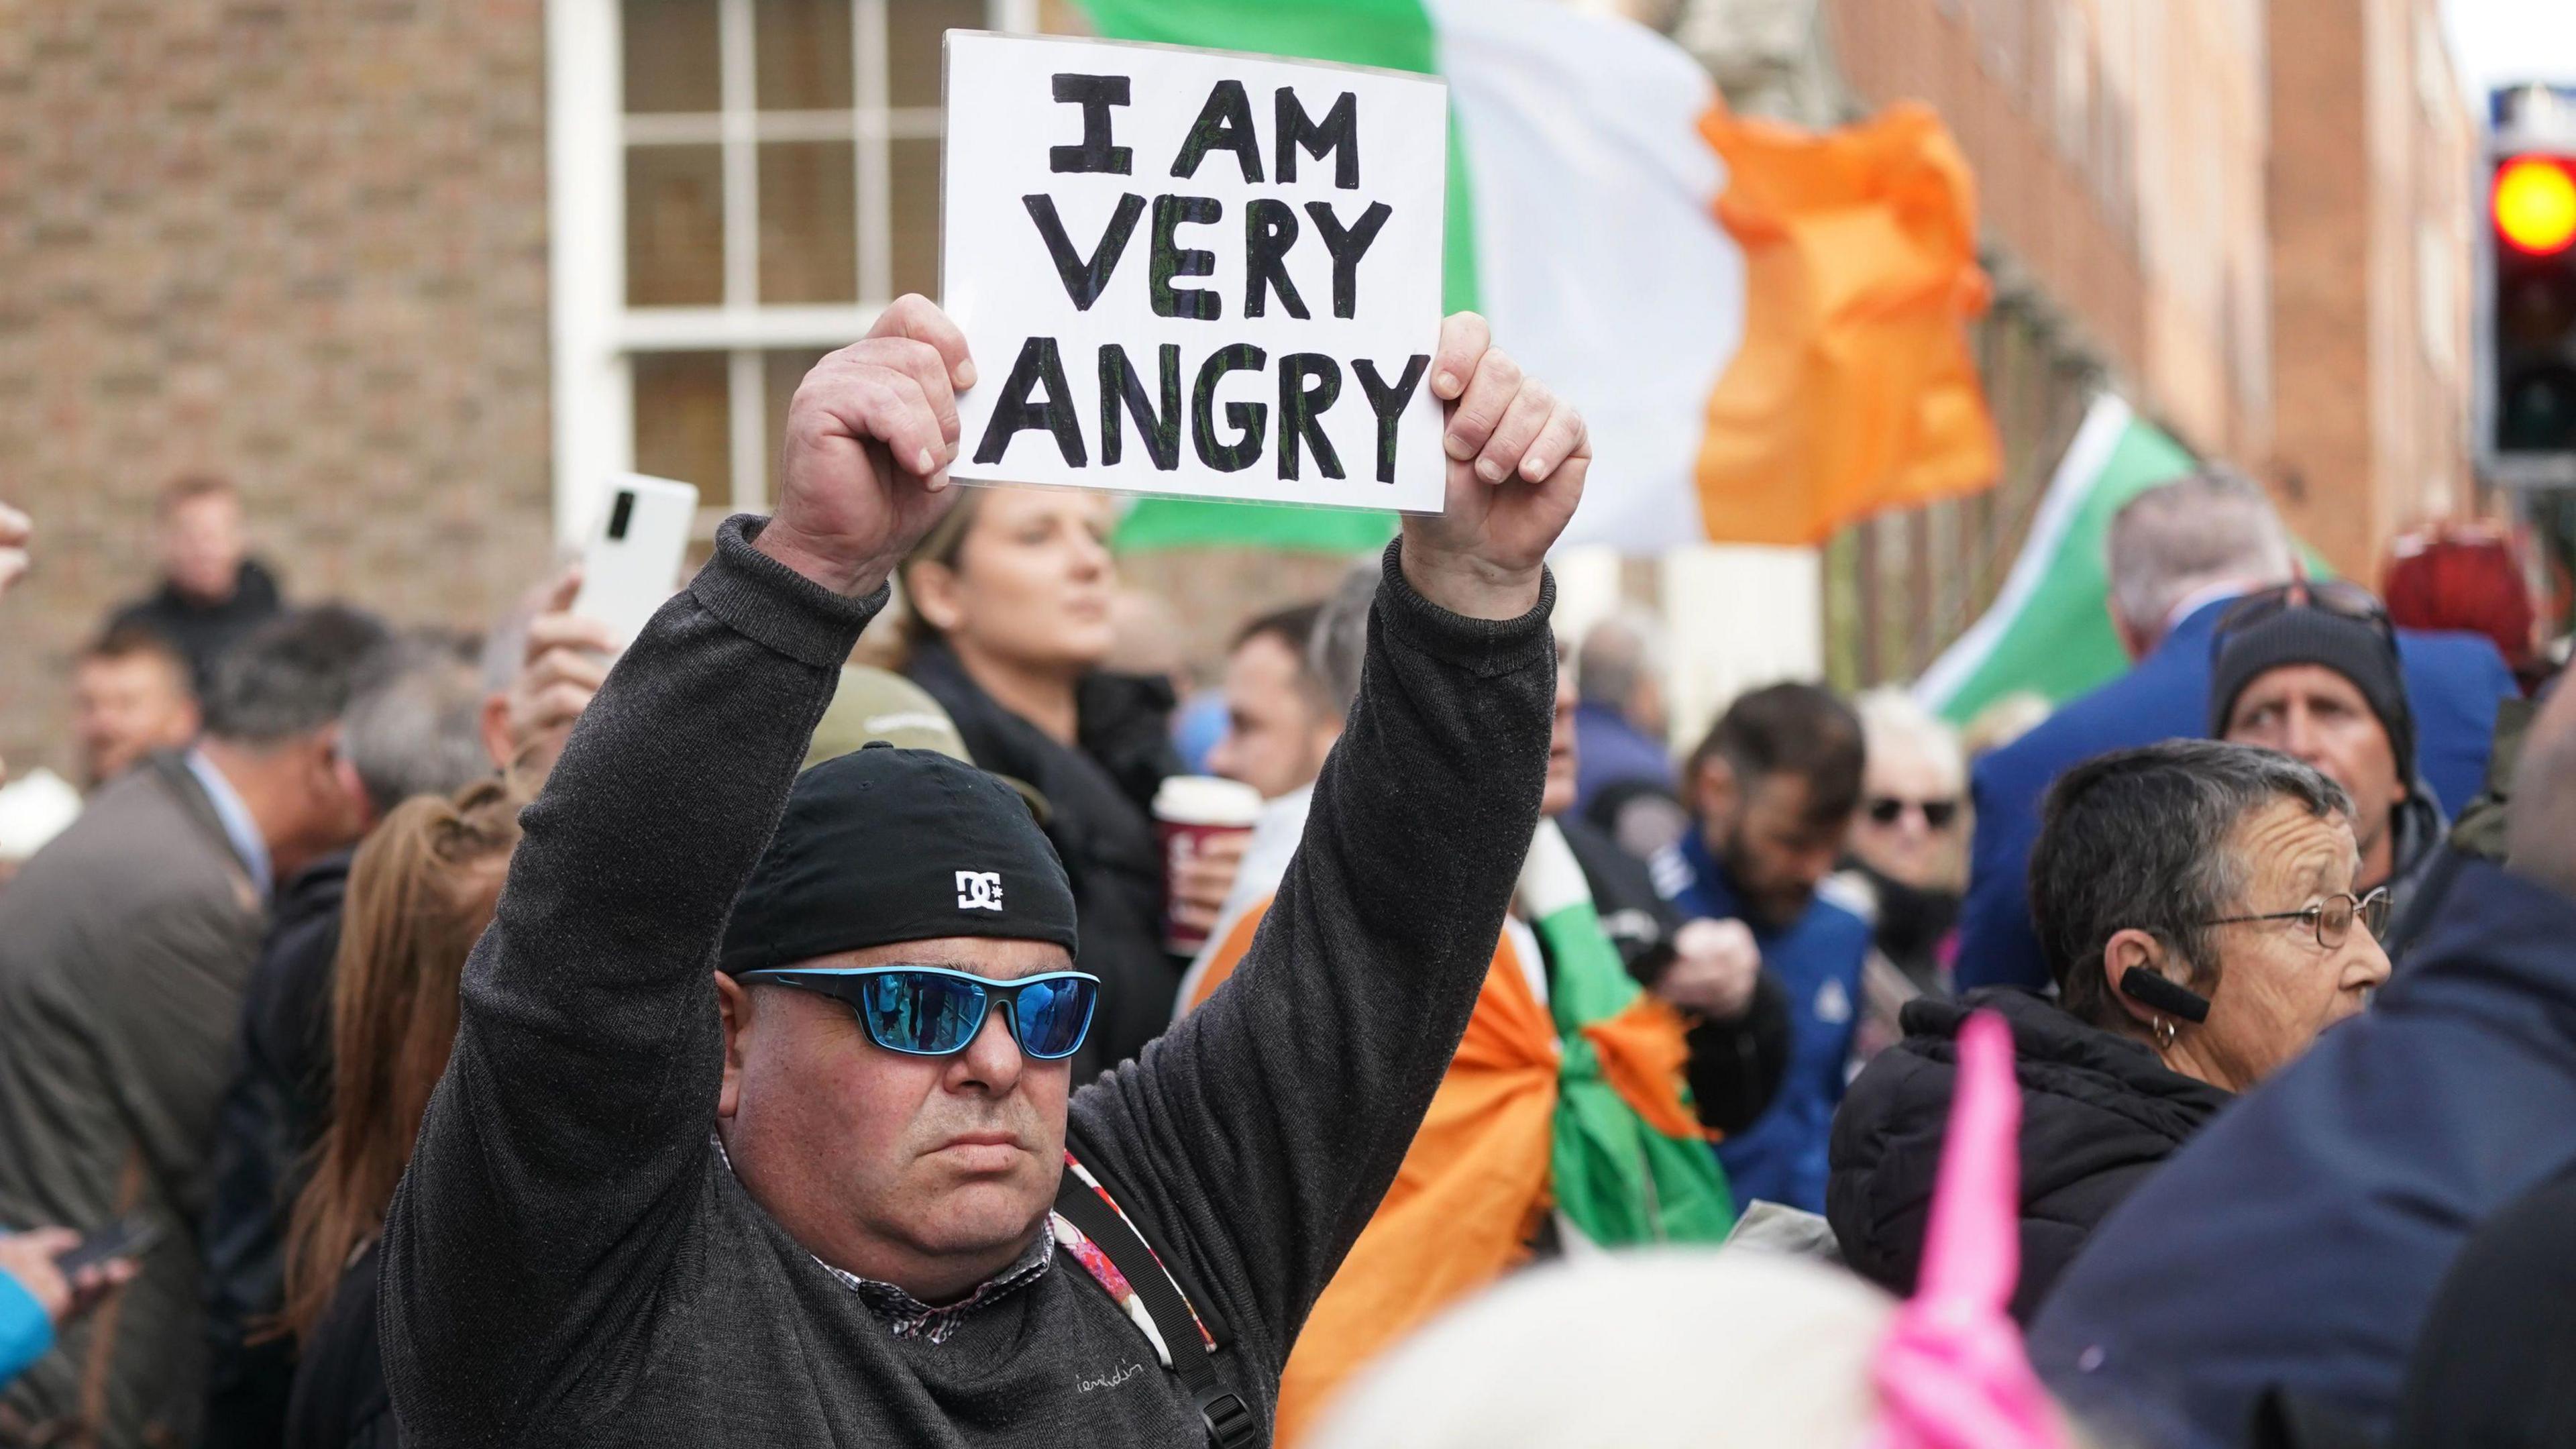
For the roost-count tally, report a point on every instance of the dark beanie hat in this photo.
(2348, 646)
(885, 845)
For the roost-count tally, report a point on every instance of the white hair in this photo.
(1619, 653)
(1633, 1350)
(1893, 725)
(2213, 527)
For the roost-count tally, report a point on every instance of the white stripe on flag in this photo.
(2104, 422)
(1599, 259)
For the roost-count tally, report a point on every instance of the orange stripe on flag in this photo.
(1853, 390)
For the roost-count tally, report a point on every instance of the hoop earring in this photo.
(2164, 1031)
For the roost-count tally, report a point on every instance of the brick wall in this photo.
(302, 244)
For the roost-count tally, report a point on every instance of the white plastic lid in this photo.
(1206, 800)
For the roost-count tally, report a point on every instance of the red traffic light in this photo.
(2535, 205)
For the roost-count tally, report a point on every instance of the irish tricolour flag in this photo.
(1764, 326)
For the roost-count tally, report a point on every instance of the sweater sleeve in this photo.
(1266, 1125)
(26, 1334)
(554, 1173)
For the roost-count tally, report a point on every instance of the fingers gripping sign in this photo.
(1518, 457)
(871, 433)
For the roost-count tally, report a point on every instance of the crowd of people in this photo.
(511, 1038)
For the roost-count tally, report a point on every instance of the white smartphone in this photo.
(631, 564)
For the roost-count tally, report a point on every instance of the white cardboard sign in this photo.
(1194, 272)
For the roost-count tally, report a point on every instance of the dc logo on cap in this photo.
(979, 890)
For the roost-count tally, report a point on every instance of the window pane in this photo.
(784, 369)
(802, 48)
(913, 168)
(808, 222)
(680, 431)
(674, 226)
(671, 55)
(913, 28)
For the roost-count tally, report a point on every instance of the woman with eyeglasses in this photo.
(2201, 912)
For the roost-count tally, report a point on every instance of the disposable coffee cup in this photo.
(1191, 812)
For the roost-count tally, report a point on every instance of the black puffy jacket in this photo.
(2099, 1113)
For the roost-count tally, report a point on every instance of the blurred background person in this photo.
(2467, 578)
(414, 732)
(1626, 784)
(211, 592)
(2177, 555)
(2192, 861)
(1009, 623)
(1281, 717)
(131, 694)
(2312, 671)
(422, 889)
(125, 946)
(1774, 788)
(1909, 844)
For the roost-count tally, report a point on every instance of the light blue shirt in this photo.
(26, 1334)
(239, 828)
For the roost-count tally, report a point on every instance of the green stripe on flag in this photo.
(1396, 34)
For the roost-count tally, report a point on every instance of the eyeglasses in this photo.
(932, 1011)
(2330, 920)
(1938, 814)
(2332, 596)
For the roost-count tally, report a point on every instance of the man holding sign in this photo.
(777, 1169)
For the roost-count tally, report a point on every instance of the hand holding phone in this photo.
(130, 1236)
(631, 563)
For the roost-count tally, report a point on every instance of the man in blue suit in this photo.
(2179, 554)
(2297, 1243)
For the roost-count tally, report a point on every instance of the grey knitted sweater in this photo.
(568, 1260)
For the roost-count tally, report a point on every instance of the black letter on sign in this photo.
(1388, 403)
(1269, 230)
(1039, 366)
(1309, 382)
(1347, 248)
(1247, 419)
(1172, 261)
(1339, 135)
(1095, 94)
(1083, 280)
(1224, 124)
(1161, 431)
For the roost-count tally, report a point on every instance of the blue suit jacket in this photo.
(2299, 1239)
(1816, 960)
(2453, 682)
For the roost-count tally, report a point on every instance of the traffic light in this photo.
(2534, 306)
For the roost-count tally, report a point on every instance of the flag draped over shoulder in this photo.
(1575, 1105)
(1765, 327)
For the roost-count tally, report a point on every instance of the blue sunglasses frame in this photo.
(846, 984)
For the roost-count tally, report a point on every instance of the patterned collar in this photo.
(908, 1317)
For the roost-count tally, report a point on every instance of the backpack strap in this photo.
(1230, 1423)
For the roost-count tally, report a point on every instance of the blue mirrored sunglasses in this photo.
(932, 1011)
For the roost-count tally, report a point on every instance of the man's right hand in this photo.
(870, 436)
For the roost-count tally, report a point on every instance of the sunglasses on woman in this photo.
(1938, 814)
(932, 1011)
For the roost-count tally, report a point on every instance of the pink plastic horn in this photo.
(1952, 1373)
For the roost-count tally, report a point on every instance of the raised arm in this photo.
(1273, 1118)
(554, 1166)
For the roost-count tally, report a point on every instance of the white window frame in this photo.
(595, 335)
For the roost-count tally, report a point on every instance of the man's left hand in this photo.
(1517, 460)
